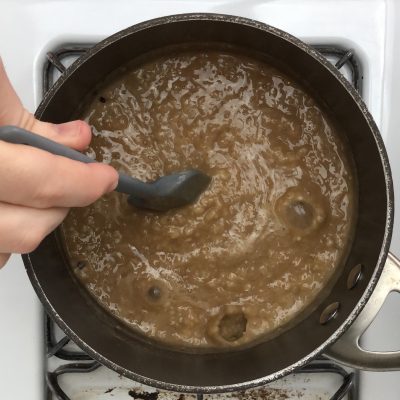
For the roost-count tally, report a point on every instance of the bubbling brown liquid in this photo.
(264, 239)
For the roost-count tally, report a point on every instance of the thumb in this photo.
(75, 134)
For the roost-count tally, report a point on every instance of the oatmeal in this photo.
(260, 243)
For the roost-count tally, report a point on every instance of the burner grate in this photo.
(61, 58)
(80, 363)
(65, 360)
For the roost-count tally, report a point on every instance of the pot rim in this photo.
(385, 166)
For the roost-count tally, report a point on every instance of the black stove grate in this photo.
(79, 364)
(342, 58)
(78, 361)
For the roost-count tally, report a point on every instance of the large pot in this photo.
(113, 344)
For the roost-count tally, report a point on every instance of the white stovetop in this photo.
(29, 28)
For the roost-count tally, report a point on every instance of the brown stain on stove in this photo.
(253, 394)
(143, 395)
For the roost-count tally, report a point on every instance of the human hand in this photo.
(37, 188)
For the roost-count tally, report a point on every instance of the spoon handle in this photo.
(13, 134)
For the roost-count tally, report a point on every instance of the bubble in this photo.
(302, 209)
(232, 326)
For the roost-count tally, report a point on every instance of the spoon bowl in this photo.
(171, 191)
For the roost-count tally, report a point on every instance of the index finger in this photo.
(36, 178)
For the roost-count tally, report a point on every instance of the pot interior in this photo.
(114, 344)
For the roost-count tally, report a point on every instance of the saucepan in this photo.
(335, 325)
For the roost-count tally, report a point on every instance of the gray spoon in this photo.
(167, 192)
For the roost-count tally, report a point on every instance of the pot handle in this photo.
(347, 349)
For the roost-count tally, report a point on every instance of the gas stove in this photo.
(41, 38)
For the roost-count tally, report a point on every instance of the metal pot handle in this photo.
(347, 349)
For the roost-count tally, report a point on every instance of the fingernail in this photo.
(67, 128)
